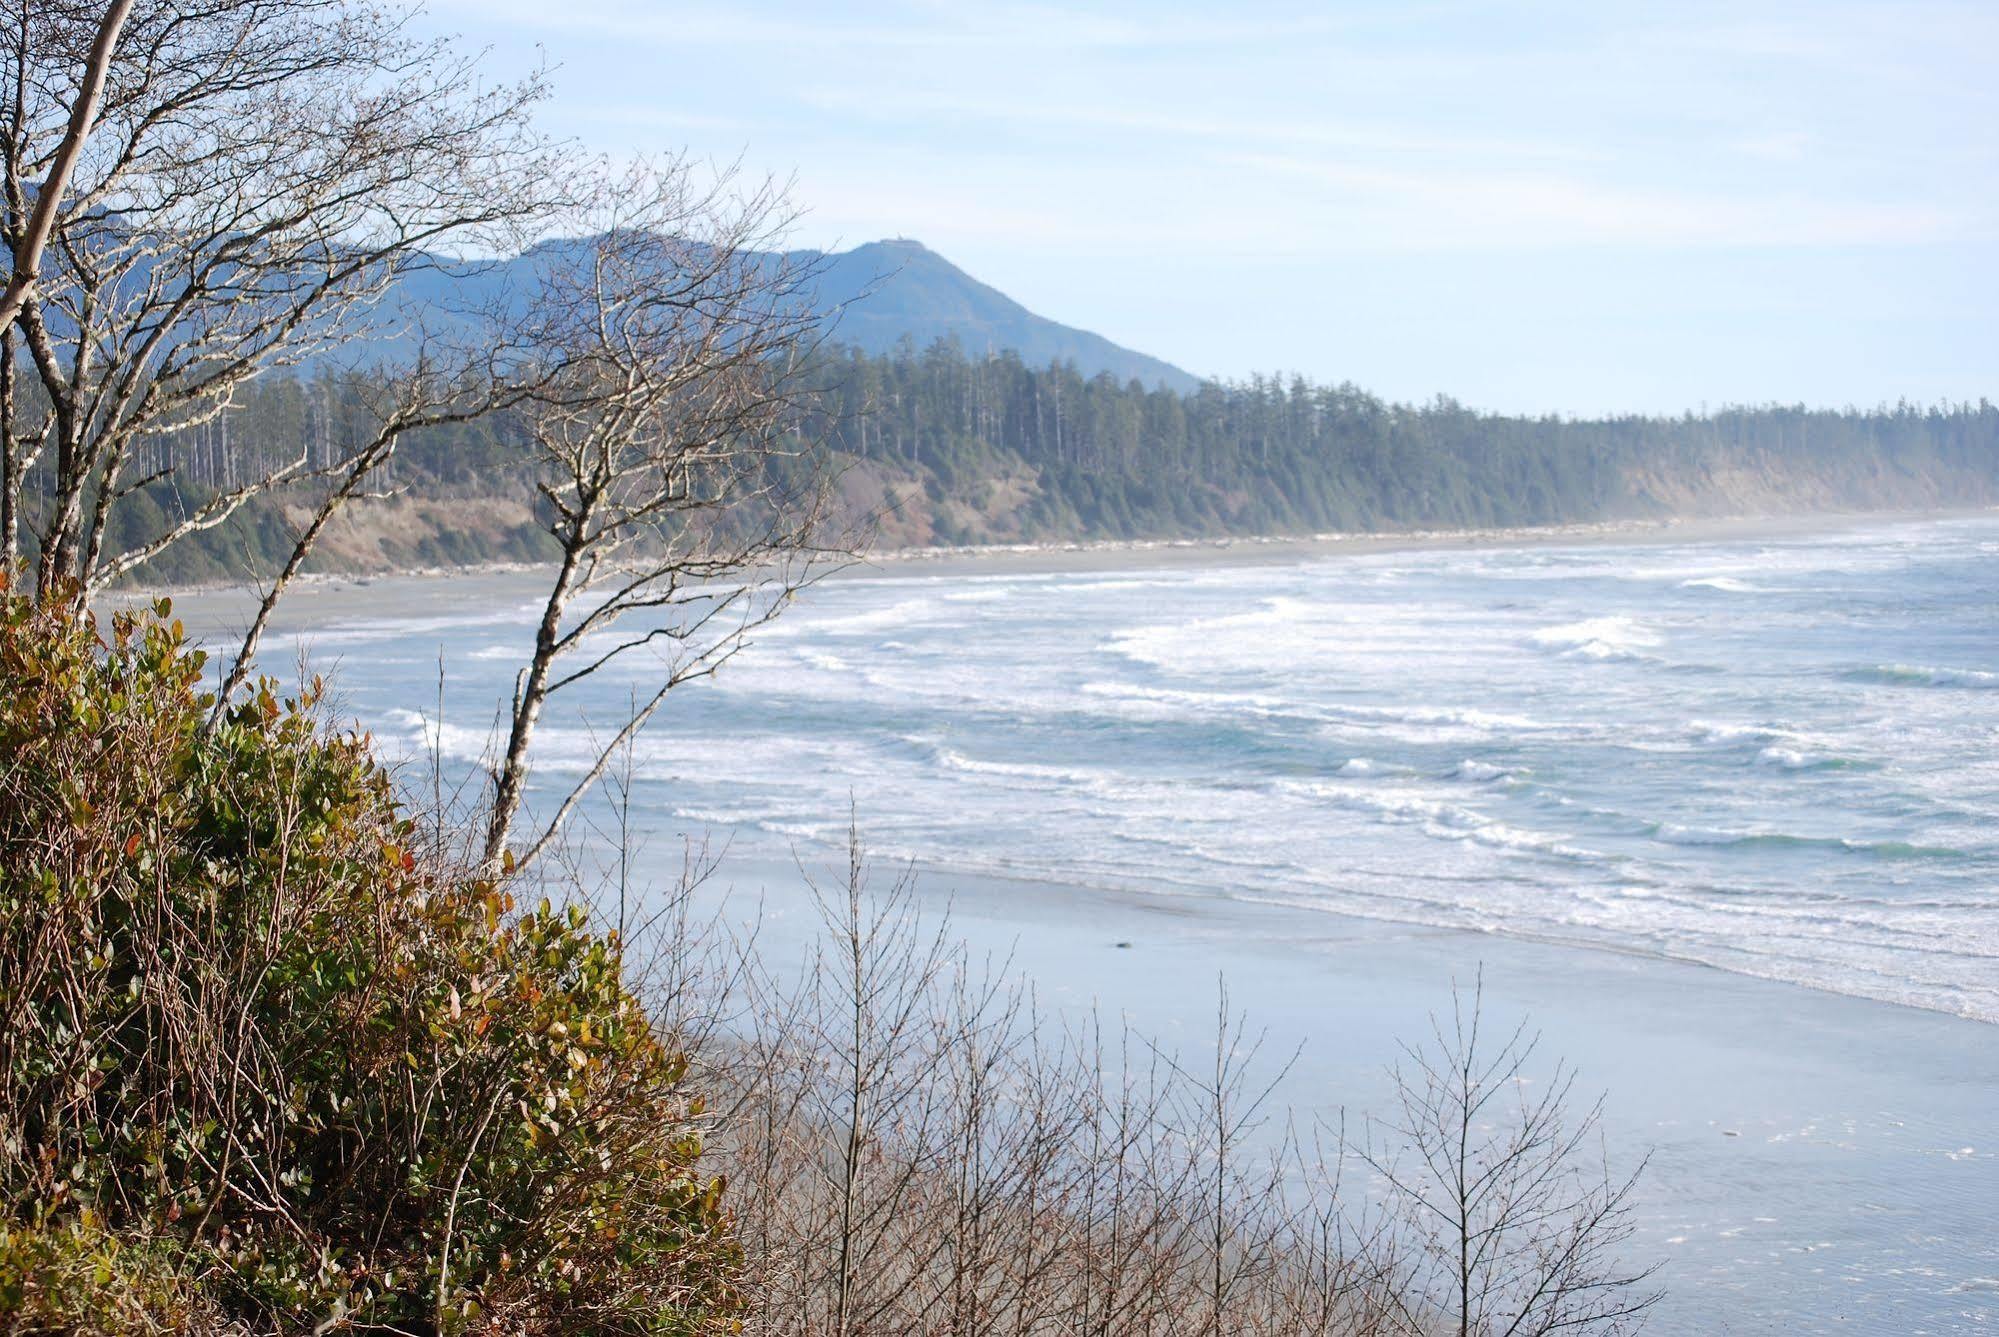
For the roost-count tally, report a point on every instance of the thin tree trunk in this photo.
(510, 779)
(82, 116)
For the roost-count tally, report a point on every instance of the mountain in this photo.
(882, 293)
(890, 290)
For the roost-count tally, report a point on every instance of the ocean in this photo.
(1778, 758)
(1346, 778)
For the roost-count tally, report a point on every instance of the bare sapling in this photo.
(1511, 1219)
(686, 497)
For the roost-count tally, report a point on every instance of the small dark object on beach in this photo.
(1124, 946)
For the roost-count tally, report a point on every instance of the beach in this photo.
(214, 609)
(1820, 1161)
(1817, 1163)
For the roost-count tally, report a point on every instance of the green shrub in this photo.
(263, 1058)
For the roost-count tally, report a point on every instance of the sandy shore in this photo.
(1818, 1163)
(1036, 558)
(219, 610)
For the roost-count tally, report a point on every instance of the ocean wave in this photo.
(369, 631)
(1615, 638)
(901, 614)
(819, 659)
(1480, 772)
(1725, 584)
(950, 759)
(1440, 819)
(1250, 702)
(1886, 850)
(416, 734)
(1265, 706)
(1713, 731)
(1174, 644)
(1917, 675)
(1793, 759)
(1487, 721)
(724, 816)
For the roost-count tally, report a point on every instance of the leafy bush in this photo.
(269, 1066)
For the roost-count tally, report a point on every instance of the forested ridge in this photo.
(954, 449)
(1288, 455)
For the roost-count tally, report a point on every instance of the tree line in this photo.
(941, 434)
(1276, 454)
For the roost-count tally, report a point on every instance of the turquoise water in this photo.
(1778, 758)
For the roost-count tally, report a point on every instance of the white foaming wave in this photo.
(902, 614)
(1725, 584)
(1482, 721)
(1438, 818)
(724, 816)
(1601, 638)
(1919, 675)
(1176, 643)
(1127, 693)
(1358, 766)
(366, 631)
(952, 760)
(1295, 632)
(1267, 706)
(1777, 745)
(487, 652)
(416, 734)
(1793, 759)
(571, 750)
(1480, 772)
(1674, 834)
(1851, 554)
(1102, 784)
(1113, 584)
(1714, 731)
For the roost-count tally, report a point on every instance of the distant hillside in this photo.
(919, 295)
(948, 449)
(883, 293)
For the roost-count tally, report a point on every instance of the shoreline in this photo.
(1189, 905)
(1033, 558)
(1785, 1131)
(1097, 554)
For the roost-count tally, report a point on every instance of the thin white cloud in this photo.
(1378, 136)
(1476, 209)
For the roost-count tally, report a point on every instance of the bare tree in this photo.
(1512, 1219)
(686, 498)
(259, 174)
(82, 116)
(1238, 1233)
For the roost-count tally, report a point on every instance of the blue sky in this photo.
(1561, 207)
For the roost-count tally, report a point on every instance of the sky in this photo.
(1574, 208)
